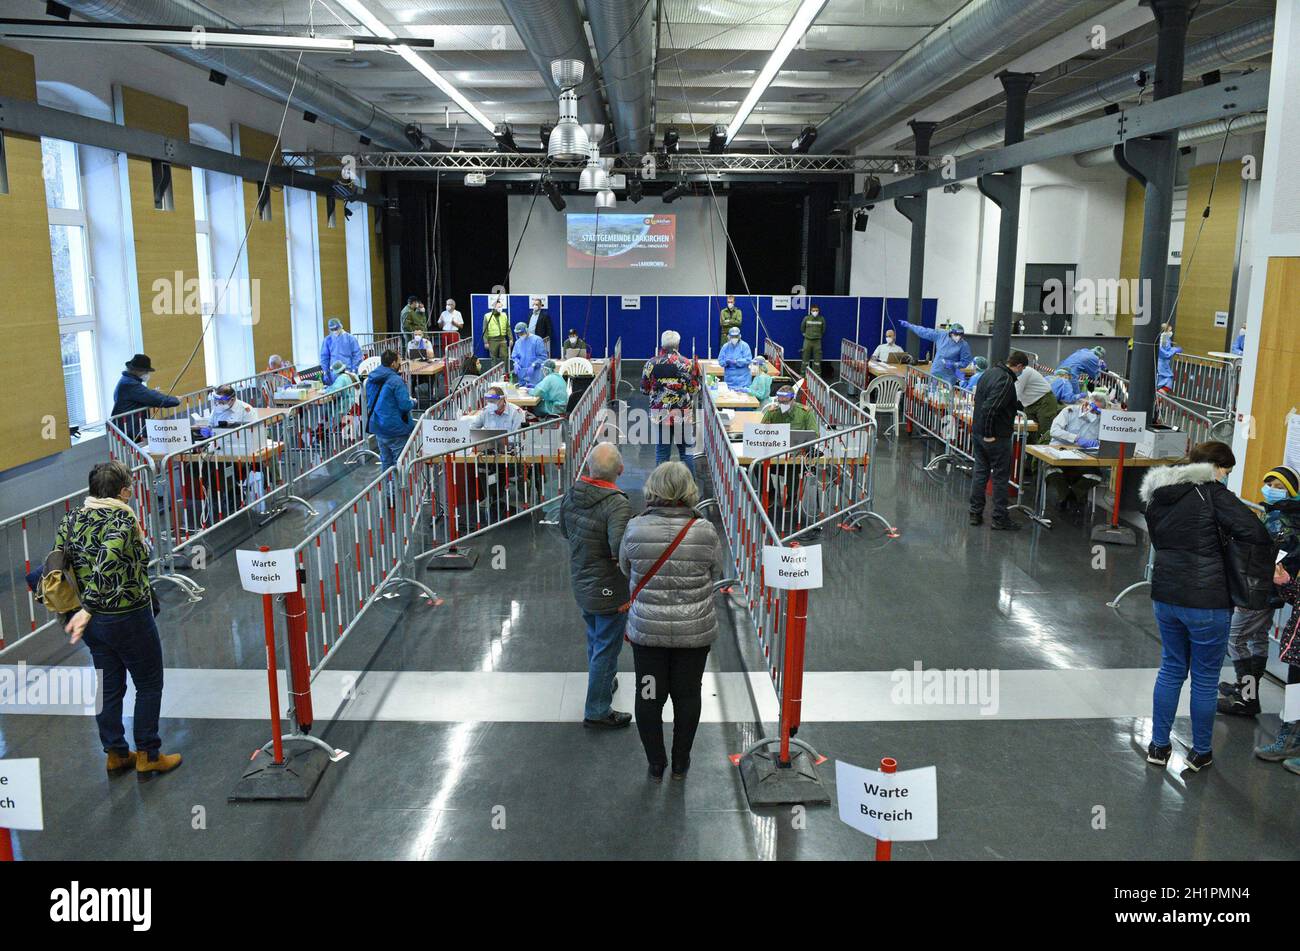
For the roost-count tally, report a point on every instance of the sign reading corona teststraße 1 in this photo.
(168, 435)
(1122, 426)
(892, 807)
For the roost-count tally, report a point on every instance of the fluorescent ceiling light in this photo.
(362, 14)
(803, 18)
(170, 36)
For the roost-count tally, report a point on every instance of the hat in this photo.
(140, 362)
(521, 327)
(981, 363)
(1287, 476)
(733, 332)
(550, 366)
(956, 329)
(338, 366)
(335, 324)
(1099, 351)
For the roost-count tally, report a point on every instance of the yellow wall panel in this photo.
(1206, 278)
(268, 258)
(17, 74)
(333, 263)
(142, 110)
(28, 312)
(1277, 375)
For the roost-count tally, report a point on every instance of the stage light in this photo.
(415, 136)
(807, 136)
(635, 190)
(677, 191)
(553, 195)
(717, 140)
(670, 139)
(216, 76)
(505, 137)
(860, 220)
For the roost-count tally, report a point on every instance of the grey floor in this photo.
(942, 594)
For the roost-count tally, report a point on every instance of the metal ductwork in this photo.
(271, 74)
(624, 34)
(977, 31)
(551, 30)
(1206, 131)
(1227, 49)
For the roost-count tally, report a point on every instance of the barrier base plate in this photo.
(294, 780)
(1114, 535)
(767, 784)
(458, 559)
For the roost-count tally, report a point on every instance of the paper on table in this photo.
(1064, 452)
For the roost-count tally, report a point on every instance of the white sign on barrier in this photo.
(792, 568)
(1291, 703)
(630, 302)
(1122, 426)
(267, 572)
(168, 435)
(439, 436)
(761, 440)
(20, 794)
(892, 807)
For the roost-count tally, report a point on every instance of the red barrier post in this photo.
(792, 682)
(883, 846)
(273, 685)
(6, 846)
(295, 612)
(1119, 486)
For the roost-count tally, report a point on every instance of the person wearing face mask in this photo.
(132, 394)
(729, 317)
(785, 409)
(992, 428)
(228, 411)
(539, 324)
(338, 345)
(951, 351)
(1085, 365)
(450, 320)
(981, 364)
(496, 333)
(575, 346)
(1064, 388)
(497, 412)
(1248, 634)
(552, 391)
(1079, 424)
(414, 316)
(734, 358)
(1165, 355)
(760, 383)
(813, 328)
(1194, 520)
(882, 352)
(527, 356)
(1239, 345)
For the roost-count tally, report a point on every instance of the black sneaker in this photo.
(655, 774)
(1229, 689)
(680, 770)
(1159, 755)
(614, 720)
(976, 518)
(1005, 525)
(1199, 761)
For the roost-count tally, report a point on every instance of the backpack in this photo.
(58, 589)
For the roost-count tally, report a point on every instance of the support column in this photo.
(1003, 189)
(913, 208)
(1153, 161)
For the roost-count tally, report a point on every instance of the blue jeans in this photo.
(1195, 639)
(127, 642)
(604, 641)
(389, 449)
(669, 434)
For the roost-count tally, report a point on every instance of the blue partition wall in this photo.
(695, 317)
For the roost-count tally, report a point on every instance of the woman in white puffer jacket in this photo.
(671, 622)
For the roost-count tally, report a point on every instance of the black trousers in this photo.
(992, 460)
(663, 672)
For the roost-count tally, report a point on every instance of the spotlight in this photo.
(860, 220)
(635, 190)
(365, 139)
(1212, 78)
(505, 137)
(804, 142)
(553, 195)
(1110, 108)
(58, 10)
(216, 76)
(953, 188)
(309, 117)
(897, 167)
(677, 191)
(670, 139)
(415, 136)
(605, 199)
(871, 188)
(718, 140)
(544, 133)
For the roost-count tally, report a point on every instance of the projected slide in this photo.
(623, 241)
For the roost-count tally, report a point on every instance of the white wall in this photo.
(540, 267)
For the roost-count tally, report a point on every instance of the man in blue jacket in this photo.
(951, 351)
(734, 357)
(132, 394)
(1084, 364)
(528, 355)
(338, 345)
(389, 409)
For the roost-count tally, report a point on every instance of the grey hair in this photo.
(671, 483)
(275, 360)
(1100, 397)
(605, 461)
(670, 340)
(497, 388)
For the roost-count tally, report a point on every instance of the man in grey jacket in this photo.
(593, 516)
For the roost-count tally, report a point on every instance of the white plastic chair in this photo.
(883, 395)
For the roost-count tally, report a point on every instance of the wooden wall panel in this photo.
(1277, 374)
(333, 264)
(268, 258)
(166, 252)
(1206, 277)
(1130, 256)
(29, 322)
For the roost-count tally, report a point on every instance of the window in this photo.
(264, 203)
(207, 296)
(4, 166)
(73, 297)
(163, 199)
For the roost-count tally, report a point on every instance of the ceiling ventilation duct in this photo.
(624, 34)
(568, 140)
(593, 177)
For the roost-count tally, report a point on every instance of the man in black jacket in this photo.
(593, 517)
(539, 323)
(992, 427)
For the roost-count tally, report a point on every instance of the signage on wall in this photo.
(630, 303)
(1220, 318)
(781, 303)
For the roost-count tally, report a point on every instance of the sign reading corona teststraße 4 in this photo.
(1122, 426)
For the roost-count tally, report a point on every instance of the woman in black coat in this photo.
(1191, 515)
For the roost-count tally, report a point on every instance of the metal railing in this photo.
(1206, 380)
(853, 365)
(1171, 412)
(775, 354)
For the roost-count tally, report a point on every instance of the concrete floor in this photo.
(463, 715)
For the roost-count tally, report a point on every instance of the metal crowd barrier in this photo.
(853, 365)
(455, 357)
(585, 427)
(374, 344)
(1206, 380)
(779, 616)
(1117, 386)
(1171, 412)
(469, 395)
(775, 354)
